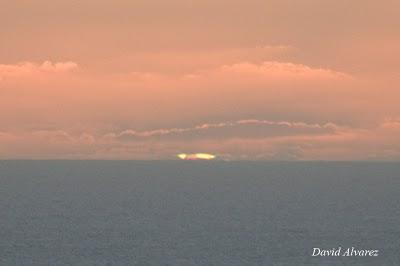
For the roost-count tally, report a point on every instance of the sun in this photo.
(196, 156)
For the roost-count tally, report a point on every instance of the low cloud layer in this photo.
(266, 110)
(248, 128)
(289, 141)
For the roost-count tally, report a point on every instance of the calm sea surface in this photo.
(197, 213)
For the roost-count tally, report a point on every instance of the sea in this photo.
(63, 212)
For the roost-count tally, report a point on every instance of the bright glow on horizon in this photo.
(196, 156)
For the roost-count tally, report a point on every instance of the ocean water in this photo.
(197, 213)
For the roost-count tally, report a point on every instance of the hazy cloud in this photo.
(239, 128)
(29, 68)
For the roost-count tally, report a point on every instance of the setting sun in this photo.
(196, 156)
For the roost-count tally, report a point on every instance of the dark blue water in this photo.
(197, 213)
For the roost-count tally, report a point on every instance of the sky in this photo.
(245, 80)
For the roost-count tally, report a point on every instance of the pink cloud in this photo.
(153, 111)
(281, 70)
(30, 68)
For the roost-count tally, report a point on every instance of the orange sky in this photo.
(251, 80)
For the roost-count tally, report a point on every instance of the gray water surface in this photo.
(197, 213)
